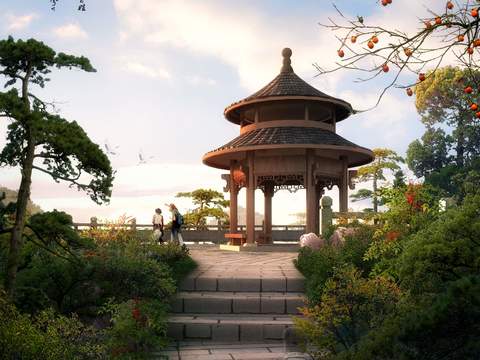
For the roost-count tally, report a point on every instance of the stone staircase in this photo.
(238, 300)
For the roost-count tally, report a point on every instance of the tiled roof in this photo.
(289, 84)
(287, 136)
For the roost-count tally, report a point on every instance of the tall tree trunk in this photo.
(16, 238)
(374, 195)
(20, 219)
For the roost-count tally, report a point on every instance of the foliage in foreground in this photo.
(104, 277)
(39, 139)
(46, 335)
(419, 300)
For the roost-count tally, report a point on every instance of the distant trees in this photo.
(385, 159)
(209, 203)
(450, 146)
(40, 140)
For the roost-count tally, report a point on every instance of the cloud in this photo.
(70, 32)
(145, 70)
(197, 80)
(242, 37)
(19, 22)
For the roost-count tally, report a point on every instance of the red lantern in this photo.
(239, 177)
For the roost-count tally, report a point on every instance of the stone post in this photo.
(326, 214)
(93, 222)
(133, 224)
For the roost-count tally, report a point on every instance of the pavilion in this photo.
(288, 141)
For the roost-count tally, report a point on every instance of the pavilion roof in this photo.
(288, 85)
(288, 135)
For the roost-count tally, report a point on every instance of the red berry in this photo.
(385, 68)
(470, 50)
(449, 5)
(474, 107)
(384, 2)
(438, 20)
(421, 76)
(468, 90)
(474, 12)
(370, 44)
(477, 114)
(409, 92)
(341, 53)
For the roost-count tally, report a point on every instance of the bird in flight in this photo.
(112, 150)
(142, 159)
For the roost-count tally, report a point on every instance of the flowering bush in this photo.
(138, 326)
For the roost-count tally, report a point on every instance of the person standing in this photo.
(157, 222)
(177, 222)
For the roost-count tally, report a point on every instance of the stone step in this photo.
(198, 350)
(228, 327)
(238, 302)
(243, 283)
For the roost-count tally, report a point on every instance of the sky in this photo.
(167, 69)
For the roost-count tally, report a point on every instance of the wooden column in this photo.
(343, 186)
(318, 194)
(269, 190)
(233, 201)
(251, 199)
(311, 194)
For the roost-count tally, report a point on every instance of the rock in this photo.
(312, 241)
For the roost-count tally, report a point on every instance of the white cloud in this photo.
(200, 80)
(242, 37)
(19, 22)
(70, 31)
(145, 70)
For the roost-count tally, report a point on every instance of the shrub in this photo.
(127, 277)
(45, 336)
(350, 307)
(138, 326)
(318, 265)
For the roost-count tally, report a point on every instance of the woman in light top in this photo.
(157, 222)
(177, 222)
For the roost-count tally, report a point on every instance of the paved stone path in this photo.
(235, 305)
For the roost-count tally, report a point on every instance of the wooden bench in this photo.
(236, 238)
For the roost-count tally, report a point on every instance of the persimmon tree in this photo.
(40, 140)
(385, 159)
(449, 33)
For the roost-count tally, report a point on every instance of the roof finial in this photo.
(286, 53)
